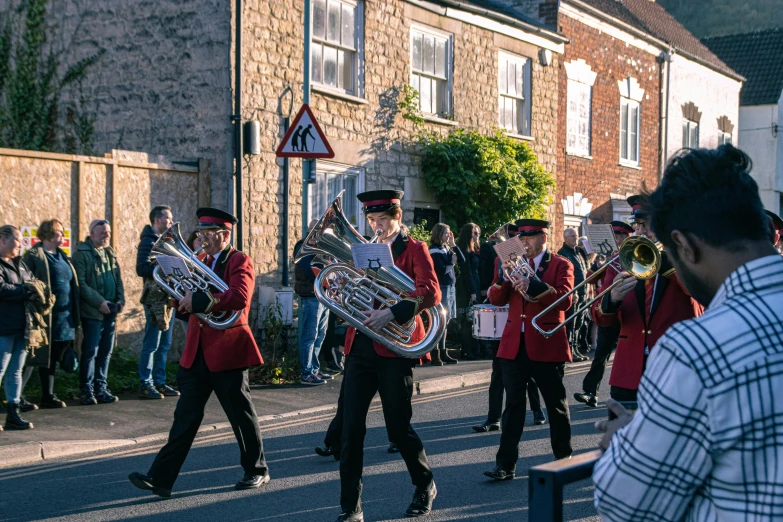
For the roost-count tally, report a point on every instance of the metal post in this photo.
(306, 164)
(286, 188)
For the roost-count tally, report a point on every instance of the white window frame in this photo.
(320, 190)
(575, 88)
(686, 134)
(449, 38)
(631, 142)
(523, 102)
(357, 74)
(724, 137)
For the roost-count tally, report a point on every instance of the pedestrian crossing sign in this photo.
(304, 138)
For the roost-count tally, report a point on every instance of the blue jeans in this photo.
(96, 353)
(13, 352)
(154, 351)
(313, 320)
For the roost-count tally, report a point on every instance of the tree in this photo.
(31, 86)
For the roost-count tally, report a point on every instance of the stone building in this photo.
(632, 80)
(165, 87)
(757, 56)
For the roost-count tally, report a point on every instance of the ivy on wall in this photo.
(32, 81)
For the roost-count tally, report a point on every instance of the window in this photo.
(330, 180)
(578, 124)
(431, 70)
(337, 38)
(429, 215)
(723, 138)
(725, 130)
(629, 131)
(690, 134)
(514, 89)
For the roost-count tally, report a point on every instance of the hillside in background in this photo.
(720, 17)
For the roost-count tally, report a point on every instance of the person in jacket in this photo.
(468, 287)
(214, 360)
(157, 342)
(372, 368)
(313, 318)
(102, 297)
(13, 348)
(568, 251)
(49, 263)
(525, 353)
(444, 253)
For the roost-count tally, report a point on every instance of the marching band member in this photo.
(644, 310)
(370, 367)
(214, 360)
(607, 335)
(526, 353)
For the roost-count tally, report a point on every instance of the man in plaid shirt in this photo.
(707, 440)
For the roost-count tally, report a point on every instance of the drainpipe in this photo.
(236, 118)
(665, 61)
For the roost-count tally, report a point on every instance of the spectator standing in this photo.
(568, 251)
(48, 262)
(313, 318)
(705, 442)
(102, 297)
(13, 348)
(158, 320)
(468, 286)
(445, 253)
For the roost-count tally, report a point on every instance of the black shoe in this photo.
(14, 421)
(422, 501)
(252, 481)
(148, 484)
(485, 428)
(587, 398)
(393, 448)
(500, 474)
(446, 358)
(52, 402)
(577, 357)
(539, 418)
(105, 397)
(25, 405)
(351, 517)
(326, 451)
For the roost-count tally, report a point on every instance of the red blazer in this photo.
(671, 304)
(557, 278)
(413, 258)
(233, 347)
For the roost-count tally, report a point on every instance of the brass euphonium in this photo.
(351, 291)
(201, 279)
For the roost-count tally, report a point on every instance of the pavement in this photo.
(305, 486)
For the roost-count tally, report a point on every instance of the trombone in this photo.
(638, 255)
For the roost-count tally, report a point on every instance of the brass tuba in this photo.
(351, 291)
(201, 279)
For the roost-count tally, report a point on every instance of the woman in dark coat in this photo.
(444, 253)
(49, 263)
(468, 287)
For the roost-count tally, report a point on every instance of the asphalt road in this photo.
(305, 486)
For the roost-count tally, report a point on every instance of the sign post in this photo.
(306, 164)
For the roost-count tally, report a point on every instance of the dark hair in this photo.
(709, 194)
(437, 232)
(466, 243)
(192, 239)
(157, 212)
(7, 231)
(46, 229)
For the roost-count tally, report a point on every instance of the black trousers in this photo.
(574, 326)
(549, 377)
(607, 341)
(334, 433)
(496, 389)
(366, 373)
(622, 394)
(196, 385)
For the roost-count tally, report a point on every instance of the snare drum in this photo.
(489, 321)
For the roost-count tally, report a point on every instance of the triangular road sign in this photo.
(304, 138)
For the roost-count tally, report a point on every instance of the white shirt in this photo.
(706, 443)
(536, 264)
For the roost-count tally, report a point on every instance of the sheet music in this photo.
(173, 266)
(601, 239)
(510, 250)
(372, 255)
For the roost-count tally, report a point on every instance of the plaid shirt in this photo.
(707, 440)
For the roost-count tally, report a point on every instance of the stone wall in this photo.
(122, 189)
(613, 60)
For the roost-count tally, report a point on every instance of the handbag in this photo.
(69, 361)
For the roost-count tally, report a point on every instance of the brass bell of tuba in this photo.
(351, 291)
(201, 278)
